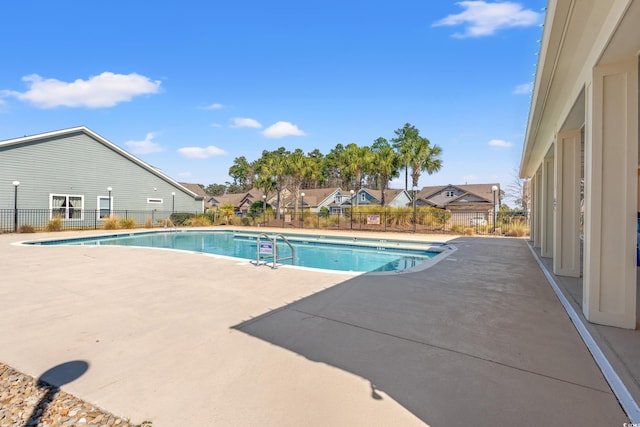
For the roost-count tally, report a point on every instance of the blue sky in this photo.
(189, 86)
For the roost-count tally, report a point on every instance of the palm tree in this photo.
(316, 160)
(273, 164)
(227, 210)
(297, 169)
(355, 162)
(406, 137)
(387, 163)
(424, 158)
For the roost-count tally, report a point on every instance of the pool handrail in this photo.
(274, 250)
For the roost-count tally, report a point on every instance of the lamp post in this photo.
(494, 189)
(173, 202)
(351, 203)
(15, 205)
(415, 192)
(264, 209)
(302, 209)
(109, 190)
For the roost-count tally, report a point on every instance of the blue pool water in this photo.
(357, 255)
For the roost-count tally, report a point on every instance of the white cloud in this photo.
(484, 19)
(146, 146)
(104, 90)
(282, 129)
(500, 143)
(243, 122)
(216, 125)
(214, 107)
(523, 89)
(201, 152)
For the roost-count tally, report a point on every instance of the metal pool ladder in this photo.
(269, 249)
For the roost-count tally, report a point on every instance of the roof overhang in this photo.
(578, 34)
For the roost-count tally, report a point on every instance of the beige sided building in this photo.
(581, 151)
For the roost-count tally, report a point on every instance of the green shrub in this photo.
(179, 218)
(55, 224)
(128, 223)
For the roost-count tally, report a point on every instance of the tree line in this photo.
(349, 167)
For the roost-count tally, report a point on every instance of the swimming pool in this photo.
(353, 254)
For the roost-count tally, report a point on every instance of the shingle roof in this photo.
(194, 188)
(433, 194)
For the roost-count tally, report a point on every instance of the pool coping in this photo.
(443, 249)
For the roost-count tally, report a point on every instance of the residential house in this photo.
(242, 201)
(466, 203)
(82, 177)
(392, 198)
(334, 199)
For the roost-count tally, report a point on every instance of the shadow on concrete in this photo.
(51, 381)
(478, 339)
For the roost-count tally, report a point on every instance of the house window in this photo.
(154, 201)
(363, 197)
(105, 206)
(450, 193)
(68, 207)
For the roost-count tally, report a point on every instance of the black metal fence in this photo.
(30, 220)
(432, 221)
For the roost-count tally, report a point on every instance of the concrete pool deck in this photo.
(186, 339)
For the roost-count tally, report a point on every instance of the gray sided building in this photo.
(83, 178)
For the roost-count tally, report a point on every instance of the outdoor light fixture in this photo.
(351, 202)
(415, 192)
(109, 190)
(494, 189)
(15, 206)
(264, 209)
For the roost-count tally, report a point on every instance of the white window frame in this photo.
(363, 197)
(450, 193)
(154, 201)
(99, 209)
(57, 210)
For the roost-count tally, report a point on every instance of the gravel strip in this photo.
(25, 402)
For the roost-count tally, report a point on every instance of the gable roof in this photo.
(195, 188)
(236, 199)
(84, 130)
(471, 193)
(315, 196)
(389, 194)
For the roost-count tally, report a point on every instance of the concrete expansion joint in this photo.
(450, 350)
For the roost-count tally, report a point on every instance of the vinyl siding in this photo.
(77, 164)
